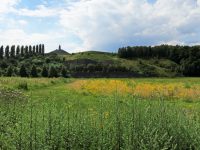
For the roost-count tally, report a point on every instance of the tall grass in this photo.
(115, 122)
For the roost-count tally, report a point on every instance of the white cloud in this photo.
(22, 22)
(103, 24)
(40, 11)
(20, 37)
(109, 24)
(7, 6)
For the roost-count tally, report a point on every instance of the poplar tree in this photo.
(22, 50)
(18, 50)
(12, 51)
(7, 52)
(26, 51)
(34, 51)
(1, 52)
(43, 49)
(40, 49)
(37, 49)
(30, 50)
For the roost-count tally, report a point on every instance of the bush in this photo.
(23, 86)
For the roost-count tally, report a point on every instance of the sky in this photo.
(105, 25)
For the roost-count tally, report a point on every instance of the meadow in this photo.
(142, 113)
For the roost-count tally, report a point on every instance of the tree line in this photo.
(21, 51)
(188, 57)
(35, 72)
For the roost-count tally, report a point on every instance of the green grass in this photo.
(97, 56)
(151, 67)
(50, 115)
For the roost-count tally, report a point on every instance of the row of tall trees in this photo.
(175, 53)
(187, 56)
(23, 51)
(33, 72)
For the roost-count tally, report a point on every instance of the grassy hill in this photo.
(143, 67)
(91, 64)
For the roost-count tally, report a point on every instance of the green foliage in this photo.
(7, 52)
(9, 96)
(22, 86)
(26, 51)
(34, 50)
(23, 72)
(159, 61)
(64, 72)
(22, 50)
(187, 57)
(1, 52)
(12, 51)
(37, 49)
(3, 64)
(30, 50)
(45, 72)
(9, 72)
(40, 49)
(18, 51)
(47, 60)
(34, 72)
(53, 72)
(43, 49)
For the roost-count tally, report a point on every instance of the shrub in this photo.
(34, 71)
(23, 71)
(23, 86)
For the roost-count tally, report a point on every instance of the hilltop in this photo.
(59, 51)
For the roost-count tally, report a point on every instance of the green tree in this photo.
(3, 64)
(40, 49)
(12, 51)
(45, 72)
(7, 52)
(34, 72)
(22, 50)
(1, 52)
(23, 71)
(37, 49)
(34, 51)
(30, 50)
(26, 51)
(18, 50)
(64, 72)
(53, 72)
(43, 49)
(9, 72)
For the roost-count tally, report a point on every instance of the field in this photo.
(151, 113)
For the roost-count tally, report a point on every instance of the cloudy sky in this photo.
(80, 25)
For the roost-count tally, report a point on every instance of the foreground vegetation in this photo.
(99, 114)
